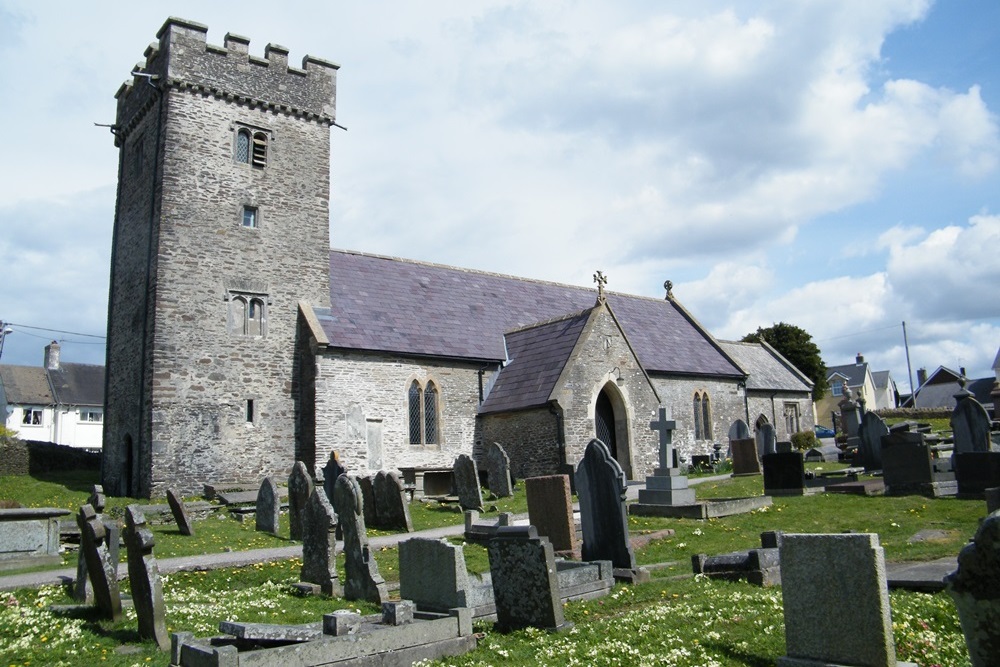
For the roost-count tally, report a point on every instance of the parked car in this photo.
(823, 432)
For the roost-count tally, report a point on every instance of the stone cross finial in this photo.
(601, 281)
(669, 286)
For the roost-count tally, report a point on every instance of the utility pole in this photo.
(4, 331)
(909, 372)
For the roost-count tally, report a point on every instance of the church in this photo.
(239, 342)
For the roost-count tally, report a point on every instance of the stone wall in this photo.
(772, 407)
(725, 399)
(530, 438)
(32, 457)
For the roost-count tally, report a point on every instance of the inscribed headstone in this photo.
(144, 579)
(102, 571)
(268, 507)
(975, 588)
(766, 440)
(745, 460)
(525, 584)
(466, 476)
(600, 484)
(970, 424)
(550, 511)
(319, 544)
(871, 432)
(498, 471)
(179, 511)
(300, 488)
(362, 580)
(391, 506)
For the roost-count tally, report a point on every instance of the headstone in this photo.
(369, 506)
(102, 571)
(144, 579)
(179, 511)
(97, 499)
(818, 608)
(766, 440)
(783, 447)
(391, 506)
(600, 484)
(550, 511)
(850, 415)
(268, 507)
(300, 488)
(466, 475)
(745, 461)
(871, 432)
(824, 454)
(784, 474)
(82, 590)
(908, 466)
(498, 469)
(525, 584)
(760, 567)
(970, 424)
(992, 499)
(666, 486)
(739, 430)
(319, 544)
(362, 580)
(975, 588)
(331, 471)
(432, 573)
(975, 472)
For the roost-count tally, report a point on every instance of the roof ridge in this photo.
(551, 320)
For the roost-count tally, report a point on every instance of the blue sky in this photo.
(832, 164)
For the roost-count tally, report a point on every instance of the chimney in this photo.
(961, 371)
(921, 376)
(52, 356)
(860, 359)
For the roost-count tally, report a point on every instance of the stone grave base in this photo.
(928, 489)
(801, 662)
(637, 575)
(804, 491)
(866, 487)
(706, 509)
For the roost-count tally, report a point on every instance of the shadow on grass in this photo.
(744, 658)
(74, 480)
(95, 623)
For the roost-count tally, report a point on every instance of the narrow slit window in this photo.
(243, 147)
(414, 410)
(249, 410)
(430, 415)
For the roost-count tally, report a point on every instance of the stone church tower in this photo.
(221, 229)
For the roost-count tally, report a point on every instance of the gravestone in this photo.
(550, 511)
(525, 584)
(498, 471)
(850, 414)
(300, 488)
(179, 512)
(785, 474)
(466, 477)
(362, 580)
(783, 447)
(369, 507)
(319, 544)
(432, 574)
(970, 424)
(760, 567)
(144, 579)
(827, 620)
(871, 432)
(975, 588)
(666, 486)
(739, 430)
(908, 465)
(701, 462)
(391, 506)
(825, 453)
(331, 471)
(766, 440)
(82, 590)
(268, 507)
(103, 572)
(745, 461)
(975, 472)
(600, 484)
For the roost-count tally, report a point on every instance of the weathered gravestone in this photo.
(824, 453)
(871, 432)
(841, 617)
(550, 511)
(370, 509)
(760, 567)
(179, 511)
(739, 430)
(975, 587)
(767, 440)
(466, 476)
(850, 414)
(268, 507)
(525, 584)
(908, 465)
(300, 488)
(319, 544)
(331, 471)
(103, 572)
(391, 507)
(498, 471)
(600, 484)
(975, 472)
(82, 590)
(144, 579)
(970, 423)
(745, 461)
(432, 573)
(362, 580)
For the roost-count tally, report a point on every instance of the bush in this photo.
(804, 440)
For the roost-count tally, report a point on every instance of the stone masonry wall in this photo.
(772, 408)
(530, 438)
(725, 399)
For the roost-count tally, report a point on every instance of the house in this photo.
(886, 393)
(59, 402)
(859, 379)
(938, 389)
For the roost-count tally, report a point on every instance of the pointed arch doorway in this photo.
(611, 426)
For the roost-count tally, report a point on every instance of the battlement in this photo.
(182, 58)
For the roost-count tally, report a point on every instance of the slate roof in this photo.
(78, 384)
(537, 357)
(766, 368)
(855, 373)
(942, 394)
(26, 385)
(394, 305)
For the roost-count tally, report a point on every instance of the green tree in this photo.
(796, 345)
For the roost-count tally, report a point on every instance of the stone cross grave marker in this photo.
(466, 475)
(362, 580)
(871, 432)
(300, 488)
(498, 471)
(525, 583)
(144, 578)
(268, 507)
(179, 511)
(550, 511)
(667, 485)
(665, 428)
(102, 571)
(319, 544)
(391, 506)
(600, 485)
(970, 424)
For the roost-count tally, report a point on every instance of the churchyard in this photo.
(674, 619)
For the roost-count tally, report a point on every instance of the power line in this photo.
(70, 333)
(858, 333)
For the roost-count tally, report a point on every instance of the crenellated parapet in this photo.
(182, 59)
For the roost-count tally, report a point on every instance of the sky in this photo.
(832, 164)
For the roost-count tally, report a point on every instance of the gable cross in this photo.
(665, 427)
(601, 281)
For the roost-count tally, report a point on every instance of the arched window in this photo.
(422, 419)
(251, 148)
(243, 147)
(706, 417)
(255, 318)
(247, 315)
(698, 416)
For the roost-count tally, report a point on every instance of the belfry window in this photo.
(247, 315)
(422, 418)
(251, 147)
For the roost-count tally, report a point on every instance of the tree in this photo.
(795, 344)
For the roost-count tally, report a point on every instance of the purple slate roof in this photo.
(78, 384)
(394, 305)
(538, 356)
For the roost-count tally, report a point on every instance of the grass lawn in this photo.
(669, 621)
